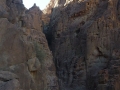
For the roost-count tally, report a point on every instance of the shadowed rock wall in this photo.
(84, 38)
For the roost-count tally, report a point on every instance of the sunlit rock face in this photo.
(26, 63)
(84, 38)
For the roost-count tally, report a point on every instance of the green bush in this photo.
(40, 53)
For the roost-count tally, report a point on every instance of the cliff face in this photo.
(26, 63)
(84, 38)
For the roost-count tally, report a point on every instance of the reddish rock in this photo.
(87, 29)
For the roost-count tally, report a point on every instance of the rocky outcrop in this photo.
(84, 38)
(82, 34)
(26, 63)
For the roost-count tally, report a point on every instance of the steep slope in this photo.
(84, 38)
(26, 63)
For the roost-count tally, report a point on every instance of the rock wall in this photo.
(26, 63)
(84, 38)
(82, 34)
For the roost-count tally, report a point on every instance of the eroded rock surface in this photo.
(84, 38)
(26, 63)
(82, 34)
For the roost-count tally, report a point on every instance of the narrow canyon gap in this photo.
(70, 45)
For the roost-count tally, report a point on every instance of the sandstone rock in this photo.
(82, 34)
(9, 81)
(33, 64)
(87, 29)
(26, 63)
(6, 76)
(11, 85)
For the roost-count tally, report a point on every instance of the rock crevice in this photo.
(84, 39)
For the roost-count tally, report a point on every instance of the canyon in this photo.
(70, 45)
